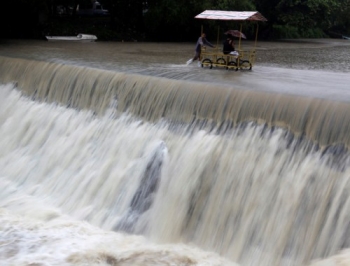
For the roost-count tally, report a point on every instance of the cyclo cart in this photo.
(245, 58)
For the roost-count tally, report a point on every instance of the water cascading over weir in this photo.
(257, 177)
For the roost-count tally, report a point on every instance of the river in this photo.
(117, 153)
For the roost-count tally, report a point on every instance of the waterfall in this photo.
(259, 178)
(324, 122)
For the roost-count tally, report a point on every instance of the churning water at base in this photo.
(255, 195)
(59, 168)
(103, 167)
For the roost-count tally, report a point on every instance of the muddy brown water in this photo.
(312, 67)
(249, 197)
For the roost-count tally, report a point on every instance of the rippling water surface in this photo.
(279, 65)
(104, 177)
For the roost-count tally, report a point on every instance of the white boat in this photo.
(346, 37)
(79, 38)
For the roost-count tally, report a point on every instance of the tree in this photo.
(340, 19)
(174, 20)
(298, 18)
(306, 13)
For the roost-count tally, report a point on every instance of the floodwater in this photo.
(121, 154)
(280, 66)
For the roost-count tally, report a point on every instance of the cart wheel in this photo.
(207, 61)
(232, 64)
(245, 64)
(221, 61)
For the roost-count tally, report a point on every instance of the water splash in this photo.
(253, 193)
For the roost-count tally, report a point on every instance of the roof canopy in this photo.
(231, 15)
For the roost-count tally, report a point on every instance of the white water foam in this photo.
(69, 178)
(42, 148)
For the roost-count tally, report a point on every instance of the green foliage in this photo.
(232, 5)
(312, 33)
(285, 32)
(340, 19)
(174, 20)
(292, 32)
(286, 18)
(308, 16)
(169, 20)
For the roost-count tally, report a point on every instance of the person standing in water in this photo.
(202, 41)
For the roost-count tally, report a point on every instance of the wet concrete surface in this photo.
(310, 67)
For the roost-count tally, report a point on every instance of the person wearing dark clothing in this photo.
(229, 47)
(202, 41)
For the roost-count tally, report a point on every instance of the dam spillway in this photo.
(253, 176)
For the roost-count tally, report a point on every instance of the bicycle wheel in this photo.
(245, 64)
(221, 61)
(207, 62)
(232, 65)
